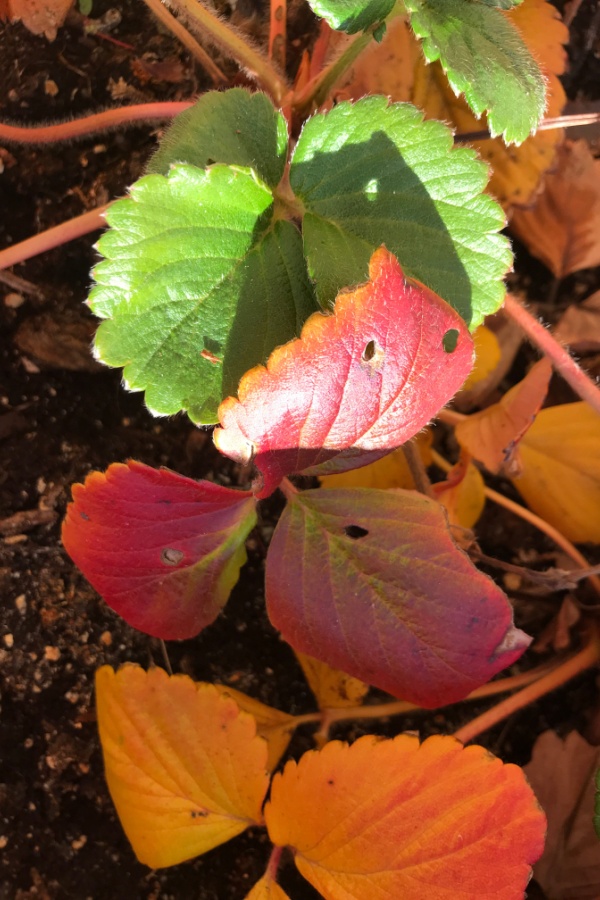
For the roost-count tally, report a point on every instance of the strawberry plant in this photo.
(306, 275)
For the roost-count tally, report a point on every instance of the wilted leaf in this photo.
(579, 326)
(560, 480)
(357, 383)
(390, 472)
(267, 889)
(494, 435)
(333, 689)
(274, 726)
(163, 551)
(196, 288)
(563, 228)
(373, 173)
(397, 819)
(372, 583)
(462, 494)
(487, 356)
(484, 58)
(184, 766)
(562, 775)
(39, 16)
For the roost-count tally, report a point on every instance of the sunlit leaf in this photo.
(372, 583)
(373, 173)
(357, 383)
(462, 494)
(184, 766)
(390, 472)
(487, 356)
(333, 689)
(196, 288)
(494, 435)
(163, 551)
(351, 16)
(484, 58)
(267, 889)
(397, 819)
(275, 726)
(560, 479)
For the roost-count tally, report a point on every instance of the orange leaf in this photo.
(390, 472)
(563, 228)
(333, 689)
(462, 494)
(487, 356)
(579, 326)
(396, 819)
(267, 889)
(274, 726)
(184, 766)
(492, 436)
(40, 16)
(560, 479)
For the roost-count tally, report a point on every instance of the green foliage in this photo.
(352, 15)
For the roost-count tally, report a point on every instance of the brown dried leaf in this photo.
(579, 327)
(38, 16)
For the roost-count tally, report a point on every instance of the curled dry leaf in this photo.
(39, 16)
(563, 228)
(493, 435)
(579, 326)
(185, 767)
(462, 494)
(356, 384)
(397, 819)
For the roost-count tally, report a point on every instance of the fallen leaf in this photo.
(356, 384)
(184, 766)
(267, 889)
(509, 338)
(560, 480)
(333, 689)
(493, 435)
(393, 818)
(462, 494)
(59, 342)
(562, 775)
(487, 356)
(579, 326)
(164, 551)
(563, 228)
(275, 726)
(390, 472)
(39, 16)
(371, 582)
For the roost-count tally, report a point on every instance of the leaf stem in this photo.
(54, 237)
(273, 864)
(558, 355)
(567, 121)
(236, 45)
(109, 118)
(318, 88)
(417, 469)
(287, 488)
(554, 679)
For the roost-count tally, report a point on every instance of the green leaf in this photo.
(187, 286)
(485, 59)
(375, 173)
(351, 16)
(233, 127)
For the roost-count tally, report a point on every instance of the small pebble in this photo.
(50, 88)
(52, 654)
(21, 604)
(8, 640)
(80, 842)
(3, 841)
(106, 638)
(14, 301)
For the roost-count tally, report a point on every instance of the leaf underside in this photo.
(351, 16)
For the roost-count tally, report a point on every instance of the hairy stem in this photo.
(417, 468)
(583, 660)
(110, 118)
(54, 237)
(558, 355)
(316, 91)
(278, 32)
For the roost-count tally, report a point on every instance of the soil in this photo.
(62, 416)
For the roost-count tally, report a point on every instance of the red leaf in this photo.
(371, 582)
(164, 551)
(363, 380)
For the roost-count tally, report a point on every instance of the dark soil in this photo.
(60, 417)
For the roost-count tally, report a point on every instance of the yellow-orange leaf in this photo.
(487, 356)
(563, 228)
(275, 726)
(267, 889)
(40, 16)
(396, 67)
(560, 479)
(492, 436)
(391, 471)
(184, 766)
(395, 819)
(462, 494)
(333, 689)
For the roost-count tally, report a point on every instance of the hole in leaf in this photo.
(171, 557)
(355, 532)
(450, 340)
(369, 351)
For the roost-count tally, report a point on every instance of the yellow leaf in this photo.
(184, 766)
(389, 472)
(274, 726)
(462, 494)
(332, 688)
(493, 435)
(487, 356)
(560, 480)
(396, 819)
(267, 889)
(396, 67)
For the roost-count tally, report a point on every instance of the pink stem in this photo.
(110, 118)
(54, 237)
(558, 355)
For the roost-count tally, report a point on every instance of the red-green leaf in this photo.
(395, 820)
(371, 582)
(164, 551)
(363, 380)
